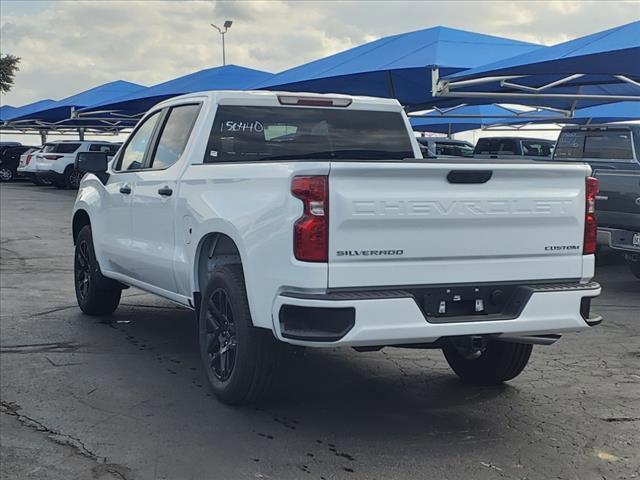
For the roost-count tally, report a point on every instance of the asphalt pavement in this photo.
(124, 397)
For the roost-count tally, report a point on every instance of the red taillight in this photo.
(311, 230)
(314, 101)
(590, 224)
(52, 157)
(26, 162)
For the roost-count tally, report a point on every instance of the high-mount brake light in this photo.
(311, 230)
(314, 101)
(590, 224)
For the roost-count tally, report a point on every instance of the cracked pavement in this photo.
(125, 398)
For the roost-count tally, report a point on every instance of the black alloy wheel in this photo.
(6, 174)
(83, 269)
(96, 294)
(220, 332)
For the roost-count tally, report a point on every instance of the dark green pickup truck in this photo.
(612, 151)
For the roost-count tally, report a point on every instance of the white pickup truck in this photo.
(312, 220)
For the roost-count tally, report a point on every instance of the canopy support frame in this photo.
(446, 89)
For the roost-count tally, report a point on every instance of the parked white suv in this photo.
(27, 167)
(312, 220)
(55, 162)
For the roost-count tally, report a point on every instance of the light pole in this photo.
(226, 25)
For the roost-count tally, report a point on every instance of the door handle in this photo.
(469, 176)
(165, 191)
(126, 189)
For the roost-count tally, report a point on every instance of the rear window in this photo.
(109, 149)
(243, 133)
(613, 145)
(496, 146)
(454, 149)
(60, 147)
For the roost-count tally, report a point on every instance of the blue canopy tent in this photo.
(398, 66)
(228, 77)
(474, 117)
(27, 109)
(595, 69)
(6, 110)
(52, 113)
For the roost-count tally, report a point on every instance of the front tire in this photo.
(240, 360)
(96, 294)
(497, 362)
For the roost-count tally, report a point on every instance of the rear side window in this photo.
(109, 149)
(174, 136)
(613, 145)
(531, 148)
(241, 133)
(60, 147)
(497, 146)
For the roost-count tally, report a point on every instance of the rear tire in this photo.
(239, 359)
(497, 363)
(634, 265)
(72, 178)
(6, 174)
(96, 294)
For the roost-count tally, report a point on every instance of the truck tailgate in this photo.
(417, 223)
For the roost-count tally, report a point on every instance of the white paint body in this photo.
(24, 167)
(450, 234)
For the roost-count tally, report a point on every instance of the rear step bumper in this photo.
(393, 317)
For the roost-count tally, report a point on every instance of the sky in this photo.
(70, 46)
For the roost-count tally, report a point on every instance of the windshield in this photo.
(613, 145)
(497, 146)
(242, 133)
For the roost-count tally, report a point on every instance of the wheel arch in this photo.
(214, 249)
(80, 220)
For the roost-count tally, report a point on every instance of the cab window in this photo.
(174, 136)
(132, 157)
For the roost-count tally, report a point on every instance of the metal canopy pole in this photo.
(548, 96)
(445, 88)
(81, 134)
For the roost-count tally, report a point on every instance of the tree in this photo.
(8, 68)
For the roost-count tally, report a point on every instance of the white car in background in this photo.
(55, 163)
(27, 167)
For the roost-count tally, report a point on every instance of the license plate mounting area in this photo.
(473, 303)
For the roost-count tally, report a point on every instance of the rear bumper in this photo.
(617, 239)
(394, 317)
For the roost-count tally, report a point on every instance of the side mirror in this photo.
(91, 162)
